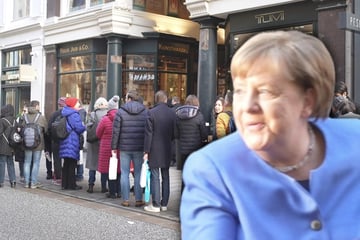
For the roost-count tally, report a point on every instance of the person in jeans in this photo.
(34, 155)
(128, 137)
(159, 133)
(6, 152)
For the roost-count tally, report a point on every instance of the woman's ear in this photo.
(309, 102)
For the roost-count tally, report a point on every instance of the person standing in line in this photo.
(159, 133)
(290, 171)
(52, 148)
(190, 129)
(19, 153)
(104, 133)
(175, 155)
(33, 156)
(79, 175)
(92, 156)
(6, 151)
(128, 137)
(70, 146)
(223, 119)
(218, 108)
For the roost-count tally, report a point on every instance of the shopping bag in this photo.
(113, 167)
(144, 169)
(147, 187)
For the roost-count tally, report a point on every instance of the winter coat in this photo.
(222, 123)
(104, 133)
(190, 129)
(92, 156)
(42, 122)
(7, 112)
(159, 133)
(70, 146)
(51, 145)
(129, 127)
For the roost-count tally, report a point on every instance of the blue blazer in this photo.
(230, 193)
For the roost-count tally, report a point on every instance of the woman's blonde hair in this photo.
(299, 57)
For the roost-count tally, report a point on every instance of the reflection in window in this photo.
(77, 4)
(17, 57)
(101, 88)
(76, 85)
(75, 63)
(97, 2)
(21, 8)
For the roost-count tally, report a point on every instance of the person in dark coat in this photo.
(128, 137)
(52, 147)
(190, 129)
(159, 133)
(6, 152)
(70, 146)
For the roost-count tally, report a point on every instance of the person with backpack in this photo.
(6, 151)
(70, 146)
(224, 119)
(34, 126)
(100, 109)
(52, 148)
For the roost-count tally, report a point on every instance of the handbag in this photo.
(113, 167)
(144, 168)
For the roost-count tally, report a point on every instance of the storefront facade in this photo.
(322, 18)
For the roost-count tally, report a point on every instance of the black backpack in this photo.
(91, 130)
(31, 133)
(58, 129)
(232, 126)
(12, 135)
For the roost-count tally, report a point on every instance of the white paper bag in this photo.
(113, 167)
(144, 169)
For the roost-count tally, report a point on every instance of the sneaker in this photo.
(125, 203)
(13, 184)
(36, 185)
(151, 208)
(22, 179)
(56, 182)
(26, 185)
(139, 203)
(163, 208)
(49, 176)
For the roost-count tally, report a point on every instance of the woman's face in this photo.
(269, 109)
(218, 107)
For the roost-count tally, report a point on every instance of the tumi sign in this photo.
(349, 21)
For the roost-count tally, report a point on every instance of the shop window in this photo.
(21, 9)
(75, 63)
(76, 85)
(140, 75)
(77, 5)
(97, 2)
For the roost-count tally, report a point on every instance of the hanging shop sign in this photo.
(349, 21)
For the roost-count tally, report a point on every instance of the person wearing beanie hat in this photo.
(72, 102)
(61, 102)
(69, 148)
(114, 102)
(52, 147)
(100, 109)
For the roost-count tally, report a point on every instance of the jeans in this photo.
(103, 179)
(21, 169)
(92, 177)
(9, 161)
(125, 159)
(155, 186)
(80, 171)
(31, 156)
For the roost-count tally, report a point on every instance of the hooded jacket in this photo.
(190, 128)
(7, 112)
(70, 146)
(129, 127)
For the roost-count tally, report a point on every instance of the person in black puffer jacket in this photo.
(190, 129)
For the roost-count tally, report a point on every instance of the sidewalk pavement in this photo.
(174, 202)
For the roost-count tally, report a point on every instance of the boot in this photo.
(91, 188)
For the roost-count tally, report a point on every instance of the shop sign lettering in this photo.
(270, 17)
(349, 21)
(74, 49)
